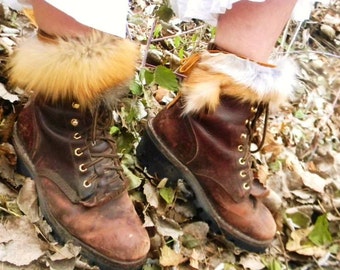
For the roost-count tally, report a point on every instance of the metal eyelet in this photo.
(242, 161)
(75, 105)
(243, 174)
(77, 136)
(246, 186)
(253, 109)
(240, 148)
(74, 122)
(243, 136)
(78, 153)
(87, 184)
(82, 168)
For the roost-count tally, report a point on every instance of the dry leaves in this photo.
(301, 161)
(19, 236)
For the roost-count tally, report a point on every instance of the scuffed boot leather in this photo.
(82, 190)
(204, 137)
(211, 152)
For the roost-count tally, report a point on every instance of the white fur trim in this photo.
(218, 74)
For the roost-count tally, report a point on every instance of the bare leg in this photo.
(54, 22)
(251, 29)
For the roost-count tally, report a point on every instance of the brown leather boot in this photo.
(63, 143)
(205, 137)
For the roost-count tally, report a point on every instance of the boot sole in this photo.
(153, 155)
(26, 167)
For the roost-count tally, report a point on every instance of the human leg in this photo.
(74, 74)
(53, 21)
(251, 29)
(205, 136)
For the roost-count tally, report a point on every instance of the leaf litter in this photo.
(300, 160)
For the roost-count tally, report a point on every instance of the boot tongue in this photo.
(83, 151)
(258, 190)
(105, 192)
(109, 179)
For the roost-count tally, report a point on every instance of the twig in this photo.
(285, 34)
(308, 51)
(294, 37)
(200, 37)
(148, 43)
(334, 207)
(335, 102)
(9, 212)
(283, 249)
(178, 34)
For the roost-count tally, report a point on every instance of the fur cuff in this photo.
(85, 69)
(220, 74)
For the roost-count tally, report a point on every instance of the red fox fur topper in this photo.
(85, 69)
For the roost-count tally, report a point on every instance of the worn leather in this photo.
(209, 144)
(99, 215)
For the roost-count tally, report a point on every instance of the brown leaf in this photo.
(28, 201)
(151, 194)
(24, 246)
(166, 226)
(311, 180)
(252, 262)
(7, 161)
(197, 229)
(65, 258)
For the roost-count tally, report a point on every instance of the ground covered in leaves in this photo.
(300, 159)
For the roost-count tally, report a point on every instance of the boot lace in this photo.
(252, 127)
(252, 137)
(106, 172)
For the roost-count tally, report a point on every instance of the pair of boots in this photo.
(204, 137)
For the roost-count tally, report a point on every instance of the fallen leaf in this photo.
(195, 234)
(151, 194)
(6, 95)
(167, 227)
(252, 262)
(135, 181)
(274, 264)
(169, 257)
(304, 195)
(168, 194)
(7, 161)
(28, 201)
(298, 218)
(299, 243)
(68, 251)
(5, 192)
(4, 236)
(24, 246)
(197, 256)
(309, 179)
(314, 181)
(148, 221)
(166, 78)
(320, 234)
(67, 264)
(64, 258)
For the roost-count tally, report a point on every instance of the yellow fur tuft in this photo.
(82, 69)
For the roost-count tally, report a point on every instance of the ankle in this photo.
(213, 47)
